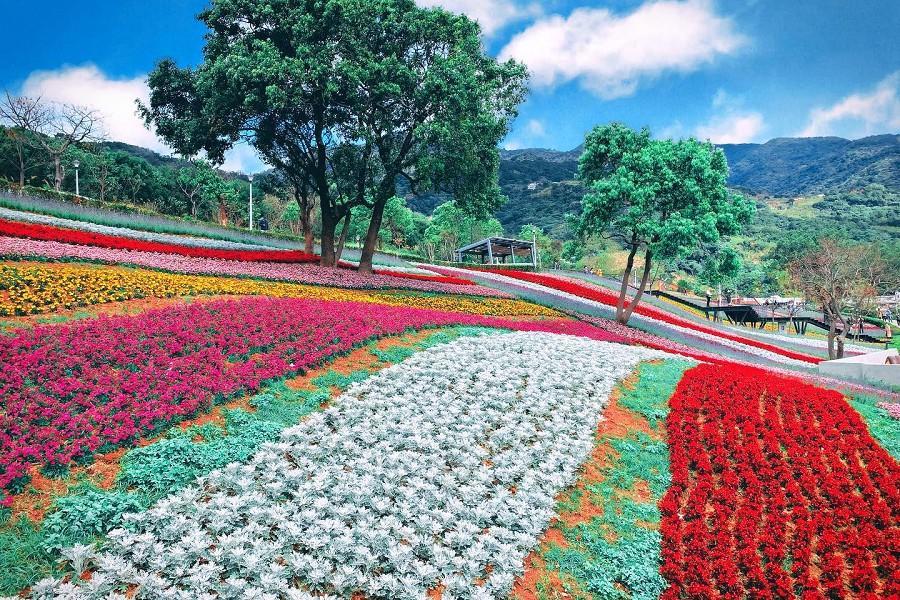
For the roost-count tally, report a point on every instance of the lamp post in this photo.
(251, 201)
(76, 164)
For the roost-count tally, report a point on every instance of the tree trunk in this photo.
(21, 152)
(368, 250)
(57, 172)
(343, 238)
(648, 258)
(623, 292)
(831, 335)
(328, 226)
(307, 226)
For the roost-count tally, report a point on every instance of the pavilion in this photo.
(498, 250)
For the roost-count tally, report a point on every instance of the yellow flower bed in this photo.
(27, 289)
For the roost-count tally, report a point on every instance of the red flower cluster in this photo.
(778, 491)
(598, 294)
(36, 231)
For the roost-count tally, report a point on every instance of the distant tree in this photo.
(452, 227)
(664, 198)
(549, 250)
(348, 96)
(22, 116)
(844, 280)
(195, 183)
(60, 127)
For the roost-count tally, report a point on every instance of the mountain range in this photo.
(542, 189)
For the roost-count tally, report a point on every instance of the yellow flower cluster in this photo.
(27, 288)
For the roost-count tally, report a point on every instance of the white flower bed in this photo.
(440, 470)
(746, 348)
(134, 234)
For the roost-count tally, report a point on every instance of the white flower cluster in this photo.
(441, 470)
(134, 234)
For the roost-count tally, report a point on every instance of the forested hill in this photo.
(798, 166)
(541, 186)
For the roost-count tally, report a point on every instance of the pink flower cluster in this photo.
(72, 389)
(295, 273)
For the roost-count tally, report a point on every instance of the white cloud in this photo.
(115, 99)
(860, 114)
(612, 54)
(535, 128)
(732, 124)
(492, 15)
(737, 128)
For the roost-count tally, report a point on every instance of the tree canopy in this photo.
(666, 198)
(348, 96)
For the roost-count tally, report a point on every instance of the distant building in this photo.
(533, 186)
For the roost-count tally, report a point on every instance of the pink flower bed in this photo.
(72, 389)
(295, 273)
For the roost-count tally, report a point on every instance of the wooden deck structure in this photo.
(498, 250)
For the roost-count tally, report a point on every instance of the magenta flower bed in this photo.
(69, 390)
(295, 273)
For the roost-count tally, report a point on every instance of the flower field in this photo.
(778, 490)
(181, 423)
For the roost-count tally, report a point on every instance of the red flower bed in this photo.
(778, 491)
(85, 238)
(609, 298)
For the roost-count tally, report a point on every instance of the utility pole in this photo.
(251, 201)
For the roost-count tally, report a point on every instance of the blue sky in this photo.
(730, 71)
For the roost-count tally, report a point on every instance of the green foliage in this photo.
(882, 426)
(85, 515)
(668, 196)
(617, 554)
(451, 227)
(23, 559)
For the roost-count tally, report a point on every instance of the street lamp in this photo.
(76, 164)
(251, 201)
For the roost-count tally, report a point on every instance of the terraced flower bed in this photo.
(29, 249)
(34, 288)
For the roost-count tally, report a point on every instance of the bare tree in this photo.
(844, 280)
(62, 126)
(22, 116)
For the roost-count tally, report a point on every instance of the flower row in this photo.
(123, 232)
(604, 296)
(602, 300)
(436, 474)
(36, 231)
(43, 287)
(298, 273)
(72, 389)
(778, 490)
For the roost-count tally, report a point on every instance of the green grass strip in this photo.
(29, 553)
(616, 555)
(883, 427)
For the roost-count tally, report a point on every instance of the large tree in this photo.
(666, 199)
(22, 116)
(348, 97)
(843, 279)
